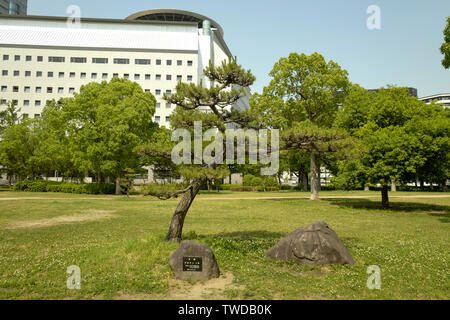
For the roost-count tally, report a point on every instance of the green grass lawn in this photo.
(119, 245)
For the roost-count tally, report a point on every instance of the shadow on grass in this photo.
(239, 235)
(440, 211)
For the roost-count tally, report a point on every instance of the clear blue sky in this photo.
(404, 52)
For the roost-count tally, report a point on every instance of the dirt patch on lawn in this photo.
(90, 215)
(181, 290)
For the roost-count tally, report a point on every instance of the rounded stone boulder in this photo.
(316, 244)
(194, 261)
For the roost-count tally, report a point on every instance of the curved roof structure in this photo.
(174, 15)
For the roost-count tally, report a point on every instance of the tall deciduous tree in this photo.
(445, 48)
(103, 124)
(303, 98)
(401, 139)
(229, 82)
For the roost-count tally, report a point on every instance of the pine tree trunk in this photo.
(315, 183)
(385, 197)
(176, 226)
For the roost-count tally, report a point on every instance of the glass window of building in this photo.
(27, 73)
(93, 75)
(16, 58)
(115, 75)
(168, 77)
(179, 62)
(71, 90)
(158, 92)
(126, 75)
(28, 58)
(158, 105)
(72, 75)
(147, 77)
(121, 61)
(190, 63)
(158, 62)
(26, 103)
(169, 62)
(49, 90)
(40, 58)
(179, 78)
(104, 76)
(56, 59)
(3, 101)
(37, 115)
(38, 74)
(83, 75)
(100, 60)
(157, 119)
(37, 103)
(4, 72)
(142, 61)
(4, 88)
(15, 89)
(61, 75)
(26, 89)
(189, 78)
(60, 90)
(38, 89)
(5, 57)
(167, 119)
(168, 91)
(78, 60)
(168, 106)
(16, 73)
(137, 76)
(50, 74)
(158, 77)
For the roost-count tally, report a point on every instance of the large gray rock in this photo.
(316, 244)
(194, 261)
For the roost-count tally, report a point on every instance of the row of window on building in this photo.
(147, 62)
(94, 75)
(15, 89)
(37, 115)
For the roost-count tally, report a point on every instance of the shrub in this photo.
(51, 186)
(256, 182)
(248, 179)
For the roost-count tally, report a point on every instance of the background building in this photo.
(443, 98)
(412, 91)
(13, 7)
(44, 58)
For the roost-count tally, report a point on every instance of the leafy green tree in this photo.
(303, 99)
(104, 123)
(445, 48)
(401, 139)
(229, 82)
(10, 116)
(16, 149)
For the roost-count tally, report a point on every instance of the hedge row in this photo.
(51, 186)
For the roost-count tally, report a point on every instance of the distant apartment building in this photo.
(442, 98)
(18, 7)
(412, 91)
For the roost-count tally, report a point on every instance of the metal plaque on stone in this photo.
(192, 264)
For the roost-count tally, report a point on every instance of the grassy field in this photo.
(119, 245)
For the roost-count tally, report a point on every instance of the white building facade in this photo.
(442, 98)
(45, 58)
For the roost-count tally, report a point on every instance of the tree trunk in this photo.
(393, 186)
(444, 186)
(366, 187)
(385, 197)
(315, 183)
(176, 226)
(304, 177)
(118, 191)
